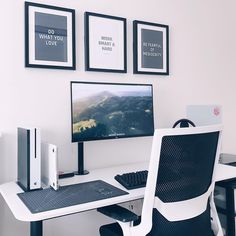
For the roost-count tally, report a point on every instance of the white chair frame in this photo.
(175, 211)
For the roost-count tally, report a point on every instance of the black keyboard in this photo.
(133, 180)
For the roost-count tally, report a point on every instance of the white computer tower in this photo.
(29, 158)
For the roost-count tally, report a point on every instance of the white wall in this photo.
(202, 71)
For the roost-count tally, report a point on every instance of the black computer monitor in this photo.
(110, 110)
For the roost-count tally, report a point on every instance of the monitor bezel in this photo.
(112, 137)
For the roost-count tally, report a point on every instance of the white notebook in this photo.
(202, 115)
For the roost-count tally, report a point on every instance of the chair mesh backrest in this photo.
(186, 166)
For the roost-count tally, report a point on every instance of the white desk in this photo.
(224, 172)
(21, 212)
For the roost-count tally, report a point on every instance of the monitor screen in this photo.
(107, 111)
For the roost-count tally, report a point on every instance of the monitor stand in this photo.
(81, 170)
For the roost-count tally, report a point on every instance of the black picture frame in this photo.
(99, 48)
(150, 48)
(49, 37)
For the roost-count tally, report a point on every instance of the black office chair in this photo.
(182, 168)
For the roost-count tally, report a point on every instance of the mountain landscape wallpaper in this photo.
(101, 111)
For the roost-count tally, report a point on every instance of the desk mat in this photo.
(70, 195)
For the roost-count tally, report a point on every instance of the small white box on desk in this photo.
(53, 166)
(50, 165)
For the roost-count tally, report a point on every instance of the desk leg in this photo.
(230, 206)
(36, 228)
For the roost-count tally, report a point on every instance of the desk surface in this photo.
(21, 212)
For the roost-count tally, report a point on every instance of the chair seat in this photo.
(111, 230)
(197, 226)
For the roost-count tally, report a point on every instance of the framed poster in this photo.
(105, 43)
(49, 37)
(151, 48)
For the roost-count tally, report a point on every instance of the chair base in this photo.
(197, 226)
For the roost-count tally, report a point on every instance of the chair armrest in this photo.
(118, 213)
